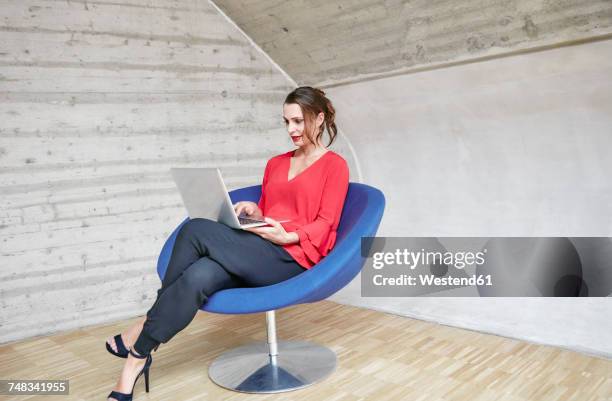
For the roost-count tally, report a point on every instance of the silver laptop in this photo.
(205, 195)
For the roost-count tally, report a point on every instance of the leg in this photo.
(256, 261)
(194, 273)
(186, 251)
(175, 309)
(207, 257)
(180, 301)
(232, 258)
(129, 335)
(189, 246)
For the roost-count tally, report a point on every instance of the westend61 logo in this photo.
(486, 266)
(422, 265)
(413, 259)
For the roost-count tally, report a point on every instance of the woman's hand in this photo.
(275, 234)
(250, 208)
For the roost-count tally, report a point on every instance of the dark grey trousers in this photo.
(208, 257)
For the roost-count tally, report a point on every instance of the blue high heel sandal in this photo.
(128, 397)
(122, 351)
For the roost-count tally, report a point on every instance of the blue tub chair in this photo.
(277, 366)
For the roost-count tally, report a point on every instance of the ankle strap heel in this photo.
(144, 372)
(135, 355)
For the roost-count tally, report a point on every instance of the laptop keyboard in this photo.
(246, 220)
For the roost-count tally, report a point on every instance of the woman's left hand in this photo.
(275, 234)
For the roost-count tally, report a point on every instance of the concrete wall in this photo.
(516, 146)
(322, 42)
(98, 100)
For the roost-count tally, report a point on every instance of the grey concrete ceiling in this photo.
(325, 42)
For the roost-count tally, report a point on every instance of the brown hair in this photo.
(313, 101)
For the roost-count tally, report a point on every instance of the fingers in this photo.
(261, 230)
(240, 207)
(245, 207)
(273, 222)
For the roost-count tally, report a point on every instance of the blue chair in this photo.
(273, 366)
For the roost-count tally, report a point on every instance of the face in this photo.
(294, 120)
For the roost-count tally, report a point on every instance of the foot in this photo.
(129, 336)
(131, 369)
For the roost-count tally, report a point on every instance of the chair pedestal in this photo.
(272, 367)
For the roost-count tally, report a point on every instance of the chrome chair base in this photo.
(251, 369)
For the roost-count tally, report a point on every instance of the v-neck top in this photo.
(312, 201)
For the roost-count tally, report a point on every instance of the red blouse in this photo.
(312, 200)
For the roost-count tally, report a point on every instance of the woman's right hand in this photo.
(249, 208)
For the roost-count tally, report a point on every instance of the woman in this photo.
(307, 186)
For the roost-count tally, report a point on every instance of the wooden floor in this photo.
(380, 357)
